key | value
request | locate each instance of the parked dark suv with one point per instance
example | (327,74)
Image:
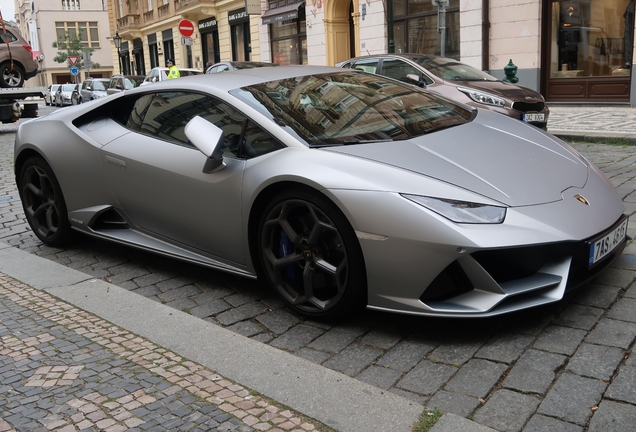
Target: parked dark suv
(16,59)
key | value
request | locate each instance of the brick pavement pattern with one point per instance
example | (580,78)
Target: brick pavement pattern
(63,369)
(568,366)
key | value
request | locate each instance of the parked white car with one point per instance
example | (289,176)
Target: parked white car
(161,74)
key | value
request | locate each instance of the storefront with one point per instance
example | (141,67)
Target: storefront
(209,30)
(153,50)
(139,66)
(287,31)
(588,50)
(239,22)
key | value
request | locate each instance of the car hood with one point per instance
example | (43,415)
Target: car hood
(499,158)
(506,90)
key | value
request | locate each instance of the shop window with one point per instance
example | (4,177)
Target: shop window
(591,39)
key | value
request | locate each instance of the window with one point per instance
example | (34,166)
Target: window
(415,28)
(86,31)
(289,40)
(70,4)
(399,69)
(367,65)
(10,37)
(164,115)
(149,5)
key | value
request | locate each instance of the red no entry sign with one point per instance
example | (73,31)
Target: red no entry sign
(186,28)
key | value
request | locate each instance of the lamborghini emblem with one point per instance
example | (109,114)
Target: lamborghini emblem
(581,199)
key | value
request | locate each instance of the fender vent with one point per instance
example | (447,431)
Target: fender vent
(109,219)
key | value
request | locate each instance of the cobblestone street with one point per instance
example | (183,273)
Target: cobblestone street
(565,367)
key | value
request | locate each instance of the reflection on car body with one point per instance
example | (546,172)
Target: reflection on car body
(337,187)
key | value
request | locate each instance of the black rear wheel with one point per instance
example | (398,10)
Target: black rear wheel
(43,202)
(310,255)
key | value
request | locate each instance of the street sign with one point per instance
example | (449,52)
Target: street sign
(186,41)
(74,70)
(73,59)
(186,28)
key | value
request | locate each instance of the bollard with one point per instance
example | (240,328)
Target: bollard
(511,73)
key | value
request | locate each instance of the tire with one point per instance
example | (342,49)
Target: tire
(11,78)
(310,255)
(43,202)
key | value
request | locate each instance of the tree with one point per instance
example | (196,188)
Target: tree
(72,43)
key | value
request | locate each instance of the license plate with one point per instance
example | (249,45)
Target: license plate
(607,242)
(534,117)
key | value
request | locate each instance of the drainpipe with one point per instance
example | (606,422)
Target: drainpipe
(485,35)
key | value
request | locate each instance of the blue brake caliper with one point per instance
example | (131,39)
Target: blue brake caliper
(285,248)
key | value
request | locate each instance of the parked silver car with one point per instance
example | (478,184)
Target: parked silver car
(91,89)
(63,94)
(49,95)
(338,188)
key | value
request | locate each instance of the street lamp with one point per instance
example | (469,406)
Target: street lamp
(117,40)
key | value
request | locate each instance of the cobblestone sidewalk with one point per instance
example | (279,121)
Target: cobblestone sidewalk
(63,369)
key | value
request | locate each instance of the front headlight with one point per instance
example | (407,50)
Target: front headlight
(461,211)
(481,97)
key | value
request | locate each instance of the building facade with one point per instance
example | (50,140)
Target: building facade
(45,22)
(571,51)
(150,33)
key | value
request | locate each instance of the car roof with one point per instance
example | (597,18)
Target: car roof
(410,56)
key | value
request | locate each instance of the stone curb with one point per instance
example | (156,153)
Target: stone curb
(594,137)
(332,398)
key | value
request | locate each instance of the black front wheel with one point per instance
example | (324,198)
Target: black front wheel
(310,255)
(43,202)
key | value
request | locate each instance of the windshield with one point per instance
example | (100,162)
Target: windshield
(68,87)
(351,107)
(452,70)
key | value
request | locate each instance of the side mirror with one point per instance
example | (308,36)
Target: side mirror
(209,139)
(416,79)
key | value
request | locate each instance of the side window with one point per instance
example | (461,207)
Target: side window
(222,68)
(168,113)
(138,112)
(85,84)
(257,142)
(398,69)
(9,36)
(367,65)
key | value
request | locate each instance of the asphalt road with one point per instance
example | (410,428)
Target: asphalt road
(567,366)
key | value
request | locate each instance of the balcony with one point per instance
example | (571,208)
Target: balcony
(129,22)
(149,17)
(163,10)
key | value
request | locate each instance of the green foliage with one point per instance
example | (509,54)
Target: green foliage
(428,418)
(72,46)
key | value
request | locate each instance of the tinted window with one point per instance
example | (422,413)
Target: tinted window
(366,65)
(257,142)
(9,37)
(350,107)
(398,69)
(99,85)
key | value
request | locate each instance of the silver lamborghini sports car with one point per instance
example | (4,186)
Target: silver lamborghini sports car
(337,187)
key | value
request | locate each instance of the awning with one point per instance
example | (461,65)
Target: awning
(284,13)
